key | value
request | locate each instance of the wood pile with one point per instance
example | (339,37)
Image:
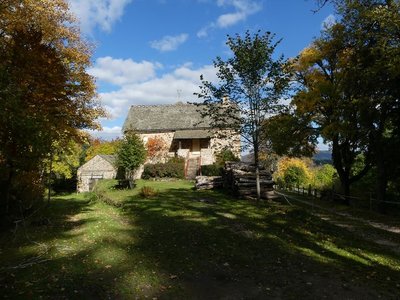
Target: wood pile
(241,179)
(208,182)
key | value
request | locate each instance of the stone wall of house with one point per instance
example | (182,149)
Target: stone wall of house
(167,137)
(183,153)
(95,169)
(226,139)
(207,156)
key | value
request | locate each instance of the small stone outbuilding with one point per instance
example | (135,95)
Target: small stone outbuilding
(99,167)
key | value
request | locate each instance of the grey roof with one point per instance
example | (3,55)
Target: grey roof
(192,134)
(109,158)
(179,116)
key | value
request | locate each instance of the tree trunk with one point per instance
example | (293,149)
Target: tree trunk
(49,180)
(381,181)
(256,161)
(346,190)
(8,187)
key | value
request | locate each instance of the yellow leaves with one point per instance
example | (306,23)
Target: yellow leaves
(309,55)
(307,58)
(287,162)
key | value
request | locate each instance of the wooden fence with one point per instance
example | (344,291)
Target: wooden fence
(366,202)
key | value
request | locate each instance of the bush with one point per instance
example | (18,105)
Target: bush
(292,172)
(295,176)
(212,170)
(131,153)
(174,168)
(324,176)
(225,155)
(148,192)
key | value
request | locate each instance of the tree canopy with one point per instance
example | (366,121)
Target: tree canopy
(251,85)
(348,92)
(131,153)
(46,94)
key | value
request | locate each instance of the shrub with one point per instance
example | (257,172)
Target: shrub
(212,170)
(174,168)
(148,192)
(292,171)
(295,176)
(324,176)
(131,153)
(225,155)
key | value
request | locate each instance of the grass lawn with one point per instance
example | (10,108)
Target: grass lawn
(186,244)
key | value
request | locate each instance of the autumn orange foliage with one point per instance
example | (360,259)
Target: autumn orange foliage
(156,147)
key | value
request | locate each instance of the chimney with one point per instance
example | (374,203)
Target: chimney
(225,99)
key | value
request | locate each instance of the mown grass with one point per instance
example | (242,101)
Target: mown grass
(186,244)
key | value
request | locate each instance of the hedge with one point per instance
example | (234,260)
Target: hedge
(171,169)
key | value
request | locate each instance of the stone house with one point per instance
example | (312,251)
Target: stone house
(99,167)
(184,131)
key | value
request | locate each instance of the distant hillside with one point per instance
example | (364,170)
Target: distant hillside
(323,156)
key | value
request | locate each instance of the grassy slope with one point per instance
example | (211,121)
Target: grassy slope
(187,244)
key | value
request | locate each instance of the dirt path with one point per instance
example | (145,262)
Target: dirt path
(378,232)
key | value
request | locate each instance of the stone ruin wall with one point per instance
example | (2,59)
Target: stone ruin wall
(95,167)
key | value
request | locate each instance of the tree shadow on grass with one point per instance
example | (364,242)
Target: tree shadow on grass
(238,249)
(185,244)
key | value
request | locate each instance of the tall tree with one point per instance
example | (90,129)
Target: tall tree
(254,81)
(46,94)
(330,104)
(131,153)
(372,29)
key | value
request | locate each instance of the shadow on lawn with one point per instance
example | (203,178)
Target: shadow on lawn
(236,249)
(199,245)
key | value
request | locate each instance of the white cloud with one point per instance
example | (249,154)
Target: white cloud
(243,9)
(169,43)
(108,133)
(98,13)
(328,22)
(162,89)
(123,71)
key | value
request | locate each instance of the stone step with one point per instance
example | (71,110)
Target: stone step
(192,168)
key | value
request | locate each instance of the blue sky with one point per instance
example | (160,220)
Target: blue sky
(154,51)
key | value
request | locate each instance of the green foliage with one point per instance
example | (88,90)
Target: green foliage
(292,172)
(65,159)
(131,153)
(212,170)
(350,91)
(98,146)
(324,176)
(254,81)
(303,138)
(225,155)
(174,168)
(295,176)
(46,94)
